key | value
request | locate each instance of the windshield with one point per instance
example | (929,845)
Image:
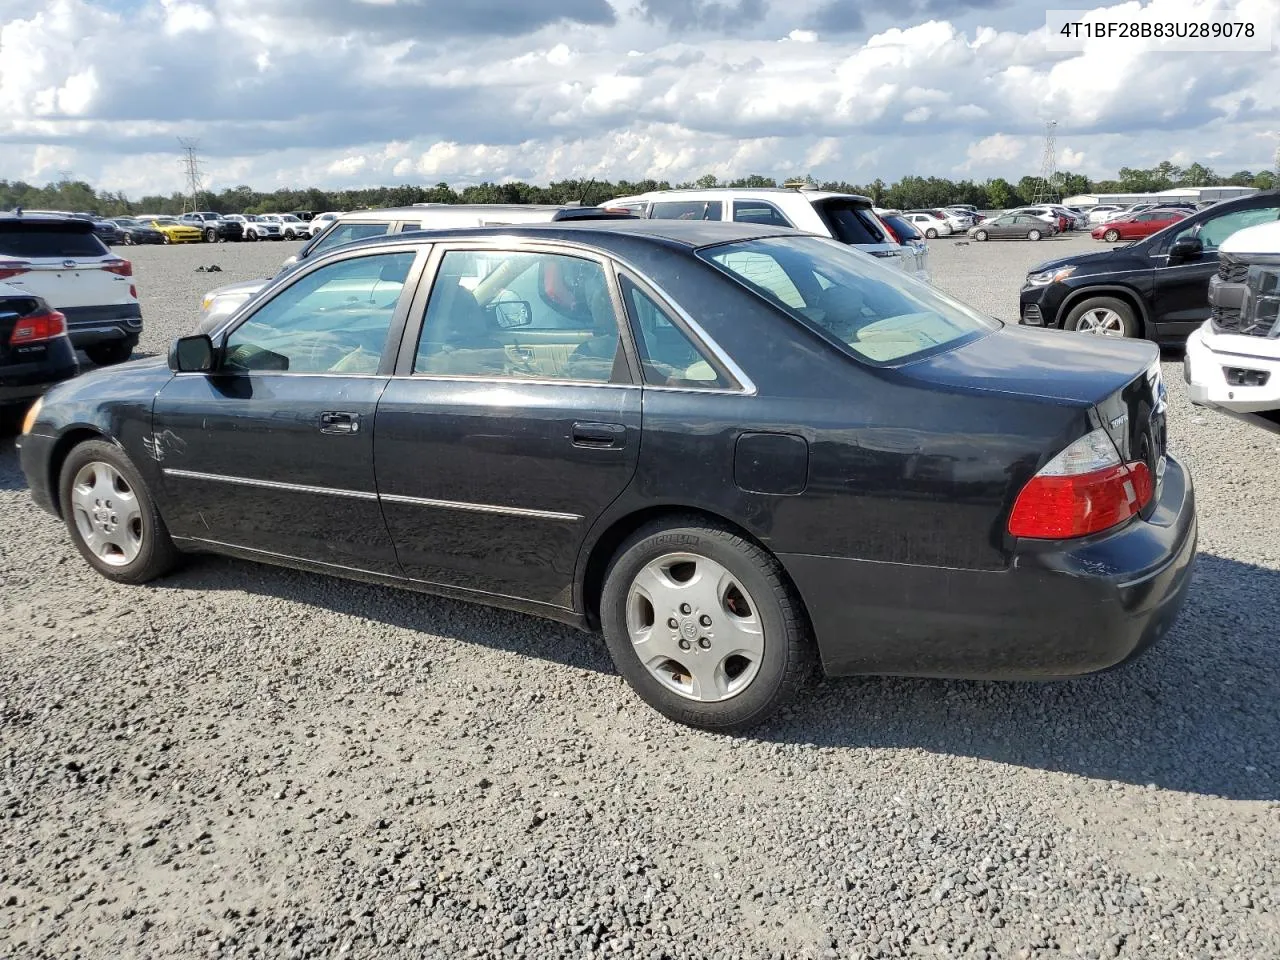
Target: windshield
(875,312)
(290,218)
(168,221)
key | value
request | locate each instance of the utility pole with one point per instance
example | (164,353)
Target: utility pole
(1045,189)
(191,167)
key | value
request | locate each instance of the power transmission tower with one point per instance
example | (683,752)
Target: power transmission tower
(194,179)
(1045,187)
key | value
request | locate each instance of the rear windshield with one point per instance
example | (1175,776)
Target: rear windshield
(875,312)
(903,228)
(31,240)
(850,221)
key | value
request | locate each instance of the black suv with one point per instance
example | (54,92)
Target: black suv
(213,226)
(1155,288)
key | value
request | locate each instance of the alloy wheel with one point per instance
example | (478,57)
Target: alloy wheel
(1101,322)
(694,627)
(107,514)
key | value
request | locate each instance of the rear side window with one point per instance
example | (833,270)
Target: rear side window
(850,222)
(348,233)
(33,241)
(757,211)
(686,210)
(668,357)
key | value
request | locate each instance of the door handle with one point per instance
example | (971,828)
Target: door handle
(339,422)
(599,435)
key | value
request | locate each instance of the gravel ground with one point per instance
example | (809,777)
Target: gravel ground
(246,761)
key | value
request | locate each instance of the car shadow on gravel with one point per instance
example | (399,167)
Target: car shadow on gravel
(1199,712)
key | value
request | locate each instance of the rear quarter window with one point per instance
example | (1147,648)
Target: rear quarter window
(32,241)
(686,210)
(850,222)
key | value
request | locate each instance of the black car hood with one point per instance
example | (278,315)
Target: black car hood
(1100,261)
(1040,363)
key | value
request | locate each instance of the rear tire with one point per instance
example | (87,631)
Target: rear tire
(741,647)
(166,239)
(111,516)
(128,239)
(931,234)
(106,354)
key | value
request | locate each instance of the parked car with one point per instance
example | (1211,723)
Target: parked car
(846,217)
(1232,361)
(291,228)
(134,232)
(35,351)
(260,228)
(1155,288)
(214,226)
(1103,210)
(1137,226)
(929,224)
(104,228)
(61,261)
(871,475)
(906,233)
(956,221)
(175,231)
(1009,226)
(306,216)
(322,220)
(221,303)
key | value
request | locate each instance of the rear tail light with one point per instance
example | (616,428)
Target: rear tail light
(1084,489)
(121,268)
(892,233)
(36,327)
(12,268)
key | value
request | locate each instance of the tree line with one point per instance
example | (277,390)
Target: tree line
(906,193)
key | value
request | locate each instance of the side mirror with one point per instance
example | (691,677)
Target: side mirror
(512,313)
(192,354)
(1185,248)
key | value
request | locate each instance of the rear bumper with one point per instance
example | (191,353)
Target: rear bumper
(87,326)
(1059,610)
(20,382)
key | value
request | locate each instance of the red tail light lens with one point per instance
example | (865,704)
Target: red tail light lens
(892,233)
(1084,489)
(121,268)
(37,327)
(12,268)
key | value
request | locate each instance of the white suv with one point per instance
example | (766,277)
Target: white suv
(843,216)
(258,228)
(291,228)
(61,260)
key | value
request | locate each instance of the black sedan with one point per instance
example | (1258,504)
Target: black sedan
(135,232)
(35,351)
(734,448)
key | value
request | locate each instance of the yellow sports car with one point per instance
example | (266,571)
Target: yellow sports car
(175,232)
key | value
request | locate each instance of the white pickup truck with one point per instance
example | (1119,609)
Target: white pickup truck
(1232,362)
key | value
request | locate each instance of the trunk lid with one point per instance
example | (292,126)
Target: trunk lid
(1120,379)
(64,263)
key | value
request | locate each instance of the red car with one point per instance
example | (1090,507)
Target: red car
(1137,226)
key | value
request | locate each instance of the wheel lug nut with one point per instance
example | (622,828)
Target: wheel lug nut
(704,620)
(704,643)
(686,609)
(685,645)
(673,623)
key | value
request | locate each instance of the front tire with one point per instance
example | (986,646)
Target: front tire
(111,516)
(931,234)
(980,235)
(1103,317)
(211,235)
(739,648)
(1111,236)
(128,240)
(167,239)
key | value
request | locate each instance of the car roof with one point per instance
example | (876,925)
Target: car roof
(688,234)
(36,220)
(696,192)
(420,211)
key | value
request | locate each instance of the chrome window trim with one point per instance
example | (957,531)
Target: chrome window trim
(541,381)
(270,484)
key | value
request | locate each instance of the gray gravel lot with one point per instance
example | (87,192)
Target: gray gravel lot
(247,761)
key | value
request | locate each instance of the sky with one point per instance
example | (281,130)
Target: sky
(351,93)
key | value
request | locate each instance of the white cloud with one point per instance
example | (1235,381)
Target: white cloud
(318,91)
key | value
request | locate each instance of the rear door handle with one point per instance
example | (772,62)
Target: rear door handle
(339,422)
(599,435)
